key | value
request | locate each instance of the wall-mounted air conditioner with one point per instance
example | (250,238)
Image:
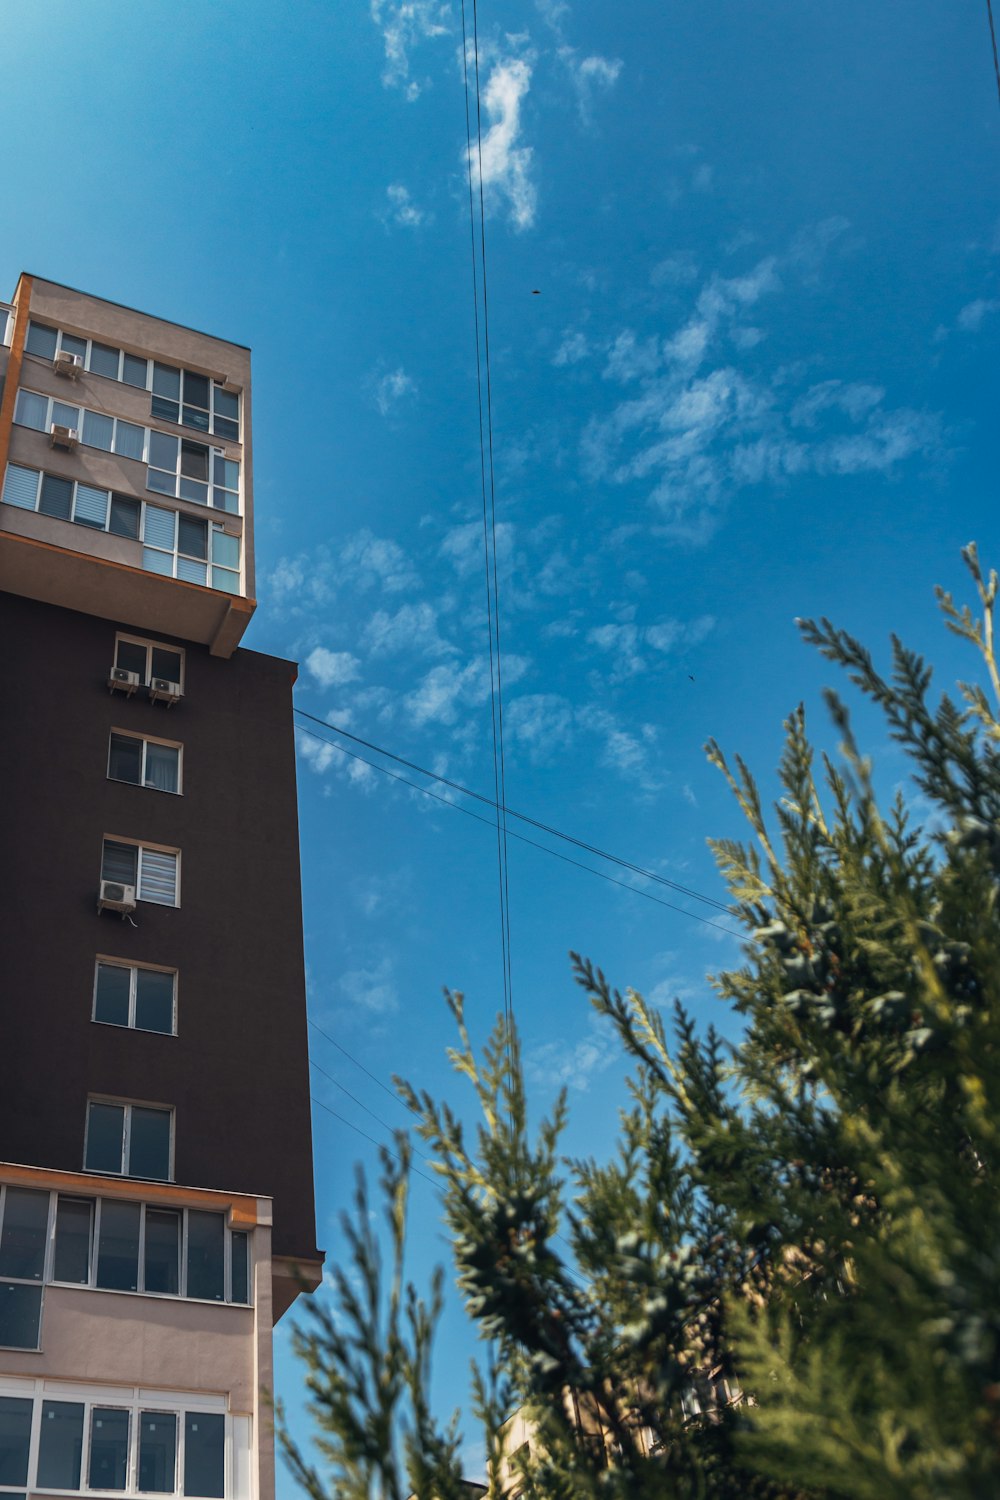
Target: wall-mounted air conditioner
(63,437)
(116,896)
(65,363)
(121,680)
(162,690)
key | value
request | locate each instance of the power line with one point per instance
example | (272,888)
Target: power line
(993,39)
(522,838)
(380,1144)
(350,1056)
(354,1098)
(625,864)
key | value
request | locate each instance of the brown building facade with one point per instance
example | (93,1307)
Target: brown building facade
(156,1195)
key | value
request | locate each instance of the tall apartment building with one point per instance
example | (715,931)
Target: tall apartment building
(156,1193)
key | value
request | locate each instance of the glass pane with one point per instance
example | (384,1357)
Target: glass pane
(193,416)
(105,1132)
(66,416)
(226,403)
(15,1435)
(91,508)
(206,1276)
(98,430)
(120,860)
(57,497)
(149,1144)
(161,766)
(111,999)
(108,1448)
(161,483)
(130,654)
(204,1454)
(74,1217)
(118,1253)
(104,360)
(32,411)
(21,487)
(157,1452)
(158,562)
(163,451)
(240,1279)
(163,1251)
(60,1446)
(129,439)
(159,527)
(192,537)
(225,549)
(195,389)
(158,877)
(124,517)
(74,345)
(191,572)
(191,489)
(223,579)
(165,411)
(125,759)
(167,381)
(154,1001)
(227,473)
(224,428)
(41,340)
(20,1315)
(166,664)
(134,371)
(22,1244)
(225,500)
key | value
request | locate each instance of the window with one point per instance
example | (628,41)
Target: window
(23,1229)
(129,1140)
(70,500)
(186,547)
(6,328)
(149,659)
(127,995)
(153,872)
(149,763)
(126,1441)
(176,466)
(74,1240)
(181,396)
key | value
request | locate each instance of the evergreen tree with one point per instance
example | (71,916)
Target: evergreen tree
(812,1214)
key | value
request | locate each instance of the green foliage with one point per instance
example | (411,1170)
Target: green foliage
(813,1214)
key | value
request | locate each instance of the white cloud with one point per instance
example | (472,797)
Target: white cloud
(412,627)
(372,988)
(368,560)
(970,319)
(589,76)
(298,583)
(572,350)
(332,668)
(701,181)
(625,644)
(855,399)
(463,547)
(404,24)
(391,388)
(318,755)
(539,723)
(812,245)
(506,164)
(627,752)
(449,687)
(572,1064)
(679,269)
(402,208)
(628,359)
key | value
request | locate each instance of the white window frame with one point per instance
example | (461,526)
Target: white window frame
(137,1402)
(144,740)
(71,520)
(150,645)
(129,1105)
(117,838)
(6,322)
(175,492)
(133,971)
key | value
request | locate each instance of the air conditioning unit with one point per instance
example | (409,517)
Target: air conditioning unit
(65,363)
(115,896)
(162,690)
(122,680)
(63,437)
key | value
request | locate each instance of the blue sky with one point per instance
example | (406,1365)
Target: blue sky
(757,382)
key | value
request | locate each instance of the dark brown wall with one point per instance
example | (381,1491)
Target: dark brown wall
(237,1072)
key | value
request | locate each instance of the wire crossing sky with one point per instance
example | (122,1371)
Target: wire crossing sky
(744,297)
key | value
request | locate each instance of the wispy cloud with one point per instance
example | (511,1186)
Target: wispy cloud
(463,547)
(973,314)
(506,162)
(404,24)
(372,989)
(392,388)
(332,668)
(370,561)
(450,687)
(411,628)
(572,349)
(539,724)
(590,76)
(633,649)
(572,1063)
(402,209)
